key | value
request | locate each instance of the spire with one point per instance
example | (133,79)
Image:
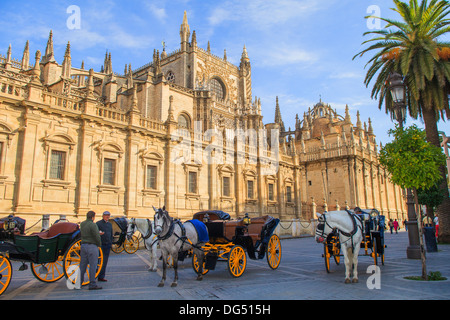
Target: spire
(358,120)
(225,54)
(347,114)
(49,53)
(208,49)
(107,65)
(8,54)
(278,118)
(194,39)
(67,63)
(130,78)
(244,54)
(184,33)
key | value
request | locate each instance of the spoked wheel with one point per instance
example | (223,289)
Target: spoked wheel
(72,260)
(131,245)
(48,272)
(6,272)
(116,248)
(326,256)
(273,252)
(237,261)
(196,265)
(375,252)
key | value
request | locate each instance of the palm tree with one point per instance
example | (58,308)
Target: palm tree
(411,47)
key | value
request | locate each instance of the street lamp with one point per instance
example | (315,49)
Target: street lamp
(397,88)
(398,93)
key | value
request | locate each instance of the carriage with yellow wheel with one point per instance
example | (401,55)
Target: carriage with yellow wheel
(233,240)
(122,240)
(52,254)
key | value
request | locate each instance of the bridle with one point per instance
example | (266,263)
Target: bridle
(163,215)
(133,229)
(320,229)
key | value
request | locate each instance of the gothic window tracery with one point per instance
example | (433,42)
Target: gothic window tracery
(218,88)
(170,77)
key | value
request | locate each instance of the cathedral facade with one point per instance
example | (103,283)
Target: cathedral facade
(183,131)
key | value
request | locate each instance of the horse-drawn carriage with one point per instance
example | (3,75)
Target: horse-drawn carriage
(211,236)
(230,239)
(52,254)
(121,239)
(372,229)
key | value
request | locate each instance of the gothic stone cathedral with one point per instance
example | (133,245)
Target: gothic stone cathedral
(73,140)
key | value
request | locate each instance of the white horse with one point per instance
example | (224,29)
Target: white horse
(174,237)
(349,227)
(146,228)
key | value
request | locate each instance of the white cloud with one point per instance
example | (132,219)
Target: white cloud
(159,13)
(261,13)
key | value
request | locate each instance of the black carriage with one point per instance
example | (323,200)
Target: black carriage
(373,238)
(52,254)
(230,239)
(121,240)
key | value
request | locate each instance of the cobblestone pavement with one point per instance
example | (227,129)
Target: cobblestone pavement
(300,276)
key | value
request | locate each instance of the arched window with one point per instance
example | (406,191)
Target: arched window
(183,121)
(217,87)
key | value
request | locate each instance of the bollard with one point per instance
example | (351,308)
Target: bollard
(45,221)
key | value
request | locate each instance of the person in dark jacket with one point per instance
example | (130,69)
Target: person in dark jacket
(106,233)
(90,241)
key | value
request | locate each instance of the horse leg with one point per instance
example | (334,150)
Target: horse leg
(355,264)
(175,269)
(347,261)
(163,279)
(153,258)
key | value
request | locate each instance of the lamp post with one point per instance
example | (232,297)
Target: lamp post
(397,88)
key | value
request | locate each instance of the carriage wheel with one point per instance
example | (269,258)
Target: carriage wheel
(337,252)
(195,265)
(6,272)
(327,256)
(132,245)
(116,248)
(237,261)
(375,252)
(48,272)
(274,252)
(72,258)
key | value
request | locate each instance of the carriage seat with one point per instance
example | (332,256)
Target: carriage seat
(256,226)
(56,229)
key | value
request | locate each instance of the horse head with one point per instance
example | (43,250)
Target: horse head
(131,227)
(323,229)
(162,220)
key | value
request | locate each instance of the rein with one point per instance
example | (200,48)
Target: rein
(349,235)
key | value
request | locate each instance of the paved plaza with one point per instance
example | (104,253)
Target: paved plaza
(301,276)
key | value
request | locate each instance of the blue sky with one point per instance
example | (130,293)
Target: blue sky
(299,50)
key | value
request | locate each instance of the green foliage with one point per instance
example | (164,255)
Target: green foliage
(411,160)
(411,46)
(432,197)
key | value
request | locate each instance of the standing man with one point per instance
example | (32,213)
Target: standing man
(90,241)
(106,234)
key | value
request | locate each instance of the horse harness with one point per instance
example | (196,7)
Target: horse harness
(321,227)
(183,238)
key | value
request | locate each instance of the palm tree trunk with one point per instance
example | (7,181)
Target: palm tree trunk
(443,210)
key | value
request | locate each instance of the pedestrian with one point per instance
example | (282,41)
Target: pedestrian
(405,224)
(427,221)
(391,225)
(395,226)
(90,241)
(106,235)
(436,226)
